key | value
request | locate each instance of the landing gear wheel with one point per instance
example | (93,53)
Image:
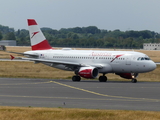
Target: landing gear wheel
(134,80)
(76,78)
(102,78)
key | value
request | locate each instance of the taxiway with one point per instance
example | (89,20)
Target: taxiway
(88,94)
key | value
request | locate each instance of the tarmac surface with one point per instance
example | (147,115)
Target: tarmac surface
(89,94)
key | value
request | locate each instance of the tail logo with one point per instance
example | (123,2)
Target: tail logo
(117,56)
(34,33)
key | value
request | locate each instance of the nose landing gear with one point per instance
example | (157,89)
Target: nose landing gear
(134,75)
(134,80)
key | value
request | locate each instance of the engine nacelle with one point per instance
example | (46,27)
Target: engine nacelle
(127,75)
(88,72)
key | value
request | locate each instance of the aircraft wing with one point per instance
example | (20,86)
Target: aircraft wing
(62,62)
(55,62)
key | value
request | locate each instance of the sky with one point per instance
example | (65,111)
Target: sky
(105,14)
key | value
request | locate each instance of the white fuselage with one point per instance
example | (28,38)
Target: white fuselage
(105,61)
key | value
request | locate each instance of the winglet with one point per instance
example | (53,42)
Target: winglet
(12,57)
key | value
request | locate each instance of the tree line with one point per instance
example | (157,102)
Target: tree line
(86,37)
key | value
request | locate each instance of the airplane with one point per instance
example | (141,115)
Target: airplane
(86,63)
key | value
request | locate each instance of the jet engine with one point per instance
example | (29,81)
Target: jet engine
(127,75)
(88,72)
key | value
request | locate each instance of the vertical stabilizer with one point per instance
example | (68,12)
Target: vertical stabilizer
(38,40)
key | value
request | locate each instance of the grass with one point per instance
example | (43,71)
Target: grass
(20,113)
(30,70)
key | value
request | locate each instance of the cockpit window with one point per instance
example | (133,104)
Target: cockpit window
(147,58)
(143,58)
(139,58)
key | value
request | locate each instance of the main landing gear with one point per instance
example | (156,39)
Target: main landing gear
(76,78)
(103,78)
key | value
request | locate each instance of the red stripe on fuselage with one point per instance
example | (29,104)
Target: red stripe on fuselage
(117,56)
(44,45)
(31,22)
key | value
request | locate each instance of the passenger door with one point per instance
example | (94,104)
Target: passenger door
(128,59)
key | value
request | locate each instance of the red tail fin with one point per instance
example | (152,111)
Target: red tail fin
(38,40)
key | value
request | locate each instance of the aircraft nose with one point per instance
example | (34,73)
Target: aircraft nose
(152,66)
